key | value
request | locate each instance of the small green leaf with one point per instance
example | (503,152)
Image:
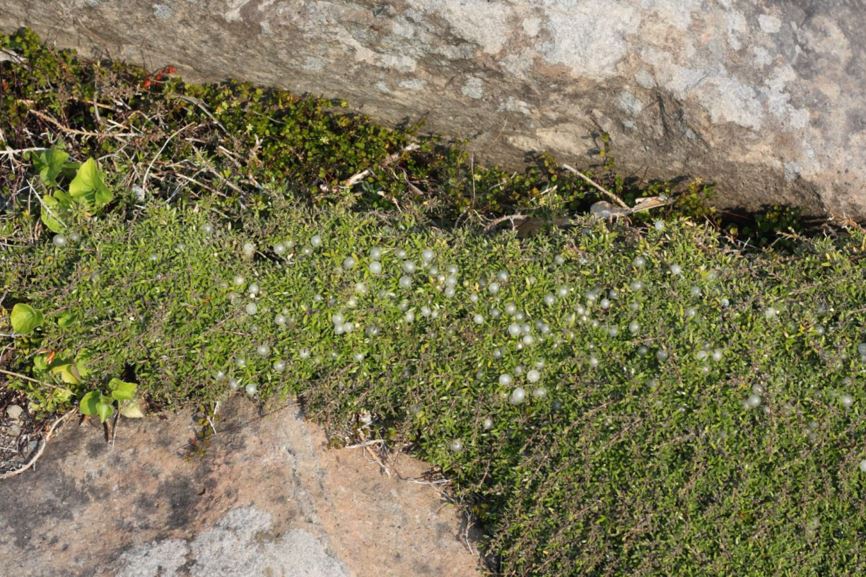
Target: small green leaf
(87,404)
(121,390)
(52,214)
(67,372)
(82,365)
(88,186)
(40,364)
(104,408)
(66,201)
(51,164)
(25,319)
(66,319)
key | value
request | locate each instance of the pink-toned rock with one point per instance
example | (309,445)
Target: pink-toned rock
(265,498)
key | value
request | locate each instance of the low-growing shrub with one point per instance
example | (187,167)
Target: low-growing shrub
(609,400)
(160,136)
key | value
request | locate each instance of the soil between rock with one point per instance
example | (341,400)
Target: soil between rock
(265,499)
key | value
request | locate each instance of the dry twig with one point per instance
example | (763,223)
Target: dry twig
(75,131)
(365,444)
(156,156)
(509,217)
(26,378)
(597,186)
(202,107)
(13,152)
(390,159)
(40,450)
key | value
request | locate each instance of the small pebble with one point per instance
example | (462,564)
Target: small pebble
(14,412)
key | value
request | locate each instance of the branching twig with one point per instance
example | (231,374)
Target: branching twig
(10,56)
(162,148)
(509,217)
(391,199)
(26,378)
(210,417)
(365,444)
(202,107)
(598,187)
(379,461)
(46,208)
(391,158)
(40,450)
(11,152)
(196,182)
(75,131)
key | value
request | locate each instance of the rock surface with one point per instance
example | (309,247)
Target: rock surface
(762,97)
(265,499)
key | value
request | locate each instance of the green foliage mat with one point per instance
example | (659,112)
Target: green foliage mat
(611,400)
(608,399)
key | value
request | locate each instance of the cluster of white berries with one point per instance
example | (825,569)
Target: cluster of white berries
(521,330)
(755,399)
(341,325)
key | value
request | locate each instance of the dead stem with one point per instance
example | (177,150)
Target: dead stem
(40,450)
